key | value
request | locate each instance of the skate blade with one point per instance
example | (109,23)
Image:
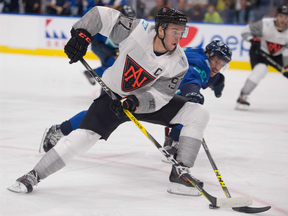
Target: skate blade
(183,190)
(242,107)
(18,188)
(42,141)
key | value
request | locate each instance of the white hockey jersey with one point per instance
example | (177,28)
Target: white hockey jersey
(137,70)
(273,42)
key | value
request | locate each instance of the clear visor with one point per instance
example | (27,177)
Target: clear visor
(224,68)
(177,32)
(220,64)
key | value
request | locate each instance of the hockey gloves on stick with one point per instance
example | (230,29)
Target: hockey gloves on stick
(218,86)
(129,102)
(76,47)
(255,45)
(195,97)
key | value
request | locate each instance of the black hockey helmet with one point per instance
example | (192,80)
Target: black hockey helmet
(283,10)
(169,15)
(220,49)
(128,11)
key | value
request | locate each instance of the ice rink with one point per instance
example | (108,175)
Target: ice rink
(125,175)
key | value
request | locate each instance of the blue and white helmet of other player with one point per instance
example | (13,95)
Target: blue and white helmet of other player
(220,49)
(128,11)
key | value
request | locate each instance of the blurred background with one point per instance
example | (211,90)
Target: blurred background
(49,23)
(230,11)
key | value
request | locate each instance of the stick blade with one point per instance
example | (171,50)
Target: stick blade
(234,202)
(251,210)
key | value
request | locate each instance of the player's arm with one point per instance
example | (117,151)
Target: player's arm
(162,91)
(217,84)
(253,33)
(253,30)
(106,21)
(192,92)
(194,79)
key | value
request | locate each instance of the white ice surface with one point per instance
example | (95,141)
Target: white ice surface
(125,176)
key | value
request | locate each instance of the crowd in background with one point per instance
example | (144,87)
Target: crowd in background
(210,11)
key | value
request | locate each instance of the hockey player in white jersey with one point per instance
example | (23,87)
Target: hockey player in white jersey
(269,35)
(145,77)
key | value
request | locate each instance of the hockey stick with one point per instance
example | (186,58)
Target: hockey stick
(244,209)
(274,63)
(221,202)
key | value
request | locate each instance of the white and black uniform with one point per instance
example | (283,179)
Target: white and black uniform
(273,43)
(137,71)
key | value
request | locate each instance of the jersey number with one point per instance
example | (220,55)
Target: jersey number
(126,27)
(173,84)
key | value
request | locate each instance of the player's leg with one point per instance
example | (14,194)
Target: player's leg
(99,122)
(56,132)
(171,141)
(194,119)
(77,142)
(258,73)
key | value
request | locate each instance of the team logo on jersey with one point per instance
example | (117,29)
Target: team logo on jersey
(183,62)
(273,47)
(145,24)
(134,76)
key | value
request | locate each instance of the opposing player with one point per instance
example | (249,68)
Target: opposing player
(106,49)
(269,35)
(145,77)
(199,76)
(204,71)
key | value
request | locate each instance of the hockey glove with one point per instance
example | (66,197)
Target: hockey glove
(218,86)
(76,47)
(195,97)
(255,45)
(129,102)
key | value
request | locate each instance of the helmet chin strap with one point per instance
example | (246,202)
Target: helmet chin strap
(162,40)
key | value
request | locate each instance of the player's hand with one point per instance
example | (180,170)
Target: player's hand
(256,44)
(218,86)
(76,47)
(195,97)
(129,102)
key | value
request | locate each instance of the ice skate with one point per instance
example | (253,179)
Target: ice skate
(50,138)
(89,77)
(180,186)
(169,145)
(242,102)
(25,183)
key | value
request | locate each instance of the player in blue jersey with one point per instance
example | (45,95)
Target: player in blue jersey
(200,76)
(204,71)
